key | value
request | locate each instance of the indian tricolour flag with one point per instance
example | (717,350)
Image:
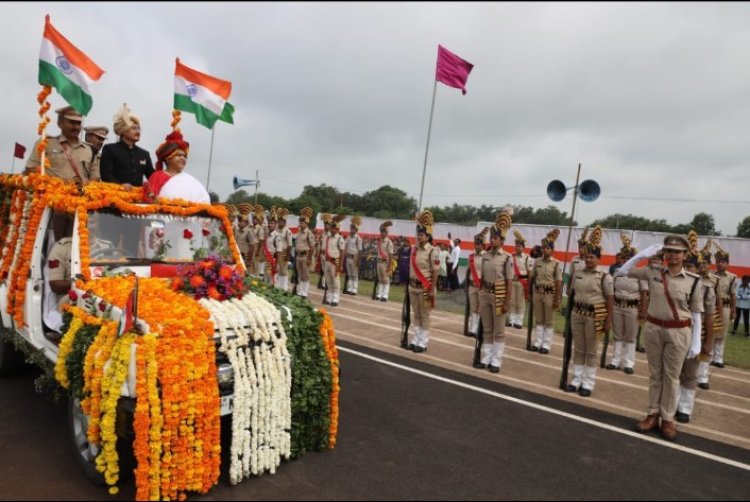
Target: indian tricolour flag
(203,95)
(64,67)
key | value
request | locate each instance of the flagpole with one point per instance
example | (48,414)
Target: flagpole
(13,164)
(572,216)
(210,157)
(257,182)
(427,147)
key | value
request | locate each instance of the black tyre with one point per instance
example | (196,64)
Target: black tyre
(84,452)
(10,358)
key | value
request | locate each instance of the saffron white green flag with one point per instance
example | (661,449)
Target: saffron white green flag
(67,69)
(203,95)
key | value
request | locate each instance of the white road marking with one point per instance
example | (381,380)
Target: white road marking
(547,409)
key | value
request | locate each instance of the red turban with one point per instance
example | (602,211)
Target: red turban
(173,142)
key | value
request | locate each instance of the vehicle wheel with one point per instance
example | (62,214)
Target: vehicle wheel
(10,358)
(85,453)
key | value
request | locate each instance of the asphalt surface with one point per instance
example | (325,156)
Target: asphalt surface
(406,435)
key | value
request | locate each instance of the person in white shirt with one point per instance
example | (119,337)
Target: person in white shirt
(743,305)
(453,264)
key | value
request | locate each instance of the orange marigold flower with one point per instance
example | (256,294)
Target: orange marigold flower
(225,272)
(177,283)
(196,281)
(213,293)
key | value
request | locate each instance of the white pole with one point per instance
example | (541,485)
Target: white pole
(13,163)
(572,215)
(210,157)
(257,182)
(427,148)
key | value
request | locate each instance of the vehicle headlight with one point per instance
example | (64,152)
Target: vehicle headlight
(225,376)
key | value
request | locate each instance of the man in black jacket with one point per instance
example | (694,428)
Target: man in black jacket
(124,162)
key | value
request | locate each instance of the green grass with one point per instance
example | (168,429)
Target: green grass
(736,351)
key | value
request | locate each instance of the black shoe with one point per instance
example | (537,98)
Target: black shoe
(733,333)
(470,334)
(543,351)
(681,417)
(334,304)
(518,326)
(571,388)
(479,366)
(410,346)
(534,348)
(384,299)
(326,302)
(494,369)
(719,365)
(703,386)
(610,366)
(640,349)
(418,349)
(584,392)
(712,363)
(629,371)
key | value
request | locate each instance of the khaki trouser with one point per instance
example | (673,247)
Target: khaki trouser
(332,278)
(251,268)
(584,339)
(352,267)
(517,299)
(666,349)
(420,308)
(282,263)
(494,323)
(725,323)
(689,374)
(544,314)
(303,267)
(383,276)
(473,299)
(625,324)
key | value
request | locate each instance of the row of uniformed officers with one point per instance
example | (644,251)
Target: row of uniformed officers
(687,309)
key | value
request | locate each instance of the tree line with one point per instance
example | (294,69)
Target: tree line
(388,202)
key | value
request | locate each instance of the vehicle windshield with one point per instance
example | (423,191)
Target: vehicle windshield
(119,238)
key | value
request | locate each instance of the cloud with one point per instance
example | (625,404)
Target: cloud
(651,99)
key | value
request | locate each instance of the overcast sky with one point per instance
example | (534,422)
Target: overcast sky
(652,99)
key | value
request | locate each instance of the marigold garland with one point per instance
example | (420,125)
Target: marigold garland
(332,353)
(66,344)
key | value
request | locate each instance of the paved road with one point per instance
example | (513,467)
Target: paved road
(411,430)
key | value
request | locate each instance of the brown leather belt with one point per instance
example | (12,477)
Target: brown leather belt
(685,323)
(545,289)
(415,283)
(301,253)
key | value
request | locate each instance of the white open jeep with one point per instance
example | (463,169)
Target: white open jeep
(114,238)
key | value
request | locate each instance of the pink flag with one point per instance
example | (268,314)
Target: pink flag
(452,70)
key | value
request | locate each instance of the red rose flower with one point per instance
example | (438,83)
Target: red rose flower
(54,263)
(72,295)
(206,232)
(102,306)
(187,234)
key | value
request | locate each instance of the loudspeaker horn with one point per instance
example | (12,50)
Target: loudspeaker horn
(242,182)
(556,190)
(589,191)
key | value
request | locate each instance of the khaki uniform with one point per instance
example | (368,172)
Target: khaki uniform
(353,247)
(253,247)
(385,256)
(726,291)
(242,236)
(474,268)
(385,251)
(303,250)
(497,272)
(82,155)
(592,289)
(282,246)
(427,261)
(668,339)
(703,365)
(518,296)
(689,377)
(333,250)
(546,275)
(576,263)
(625,322)
(257,237)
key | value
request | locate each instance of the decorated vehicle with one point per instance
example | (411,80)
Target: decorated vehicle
(161,339)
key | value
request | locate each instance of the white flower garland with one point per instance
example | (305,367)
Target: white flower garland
(262,408)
